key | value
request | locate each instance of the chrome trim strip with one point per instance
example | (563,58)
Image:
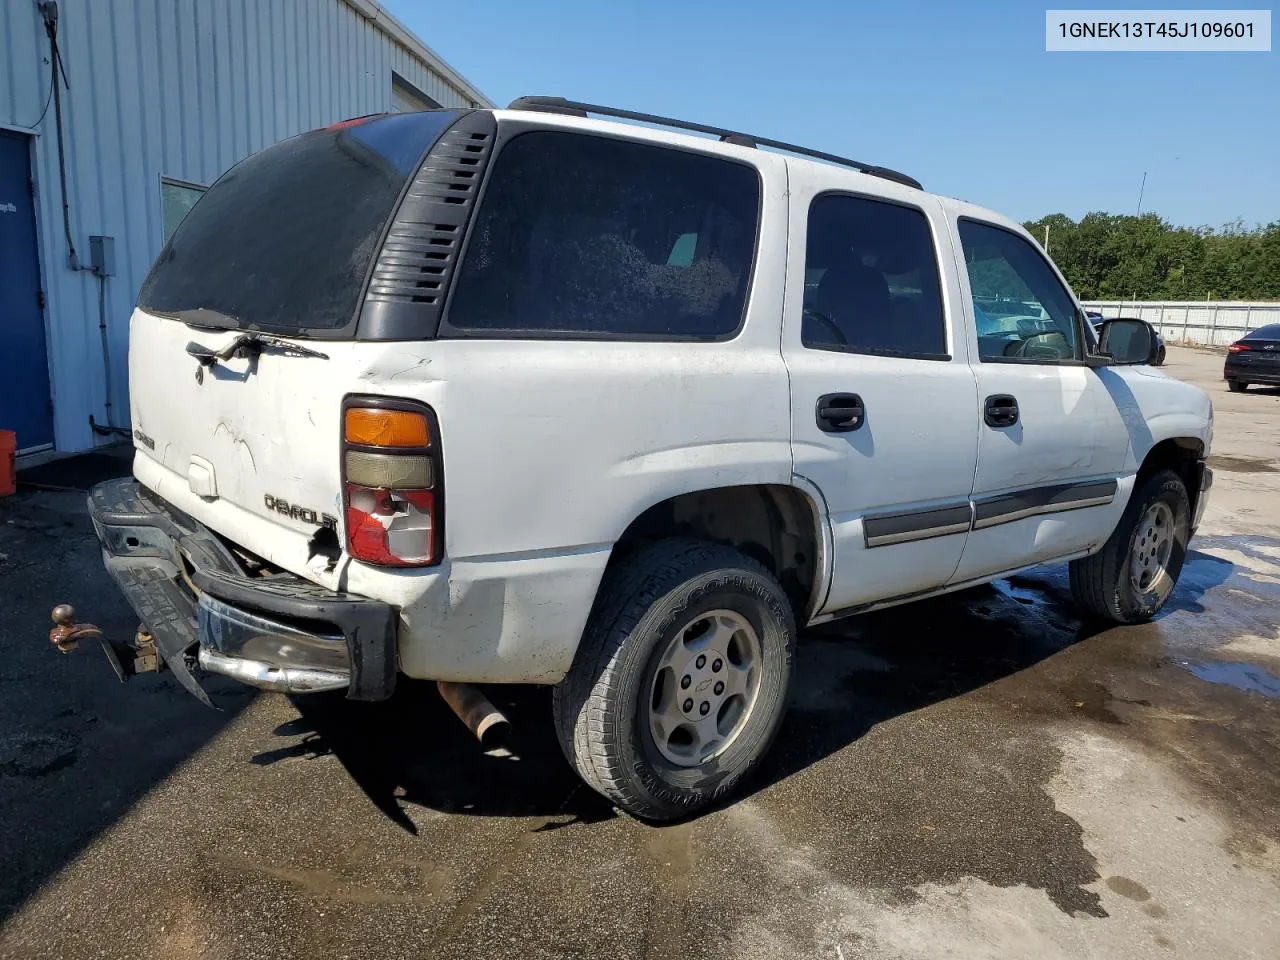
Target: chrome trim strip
(879,530)
(1035,501)
(921,534)
(886,529)
(1040,510)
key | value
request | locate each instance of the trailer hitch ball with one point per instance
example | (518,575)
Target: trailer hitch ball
(67,634)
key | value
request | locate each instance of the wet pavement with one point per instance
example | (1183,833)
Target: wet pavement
(980,775)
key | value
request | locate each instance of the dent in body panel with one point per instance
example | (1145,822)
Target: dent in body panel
(279,545)
(501,621)
(745,460)
(396,361)
(993,550)
(1155,407)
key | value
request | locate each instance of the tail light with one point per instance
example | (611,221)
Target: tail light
(392,482)
(1237,348)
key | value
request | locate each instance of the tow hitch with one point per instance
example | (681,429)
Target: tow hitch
(126,659)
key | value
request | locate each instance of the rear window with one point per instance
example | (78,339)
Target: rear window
(587,236)
(283,241)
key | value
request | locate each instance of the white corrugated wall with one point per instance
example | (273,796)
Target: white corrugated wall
(170,88)
(1212,323)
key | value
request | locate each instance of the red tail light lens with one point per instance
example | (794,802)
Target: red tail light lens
(392,484)
(1237,348)
(395,528)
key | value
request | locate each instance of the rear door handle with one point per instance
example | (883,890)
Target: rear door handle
(839,412)
(1000,410)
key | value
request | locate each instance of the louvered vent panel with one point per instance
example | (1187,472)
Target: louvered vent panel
(422,245)
(411,275)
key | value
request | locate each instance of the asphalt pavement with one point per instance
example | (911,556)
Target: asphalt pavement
(981,775)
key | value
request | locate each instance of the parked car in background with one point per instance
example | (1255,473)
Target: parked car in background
(1096,319)
(1254,358)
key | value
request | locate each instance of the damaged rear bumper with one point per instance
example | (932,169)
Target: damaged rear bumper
(276,632)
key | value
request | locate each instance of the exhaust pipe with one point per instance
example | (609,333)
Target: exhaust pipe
(473,708)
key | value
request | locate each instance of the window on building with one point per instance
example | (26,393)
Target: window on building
(871,280)
(406,98)
(588,236)
(176,200)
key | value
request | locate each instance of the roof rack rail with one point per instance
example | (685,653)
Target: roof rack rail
(577,109)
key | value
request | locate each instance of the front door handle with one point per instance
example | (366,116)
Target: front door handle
(1000,410)
(839,412)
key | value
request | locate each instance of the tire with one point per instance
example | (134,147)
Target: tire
(1237,386)
(1105,584)
(1160,358)
(649,610)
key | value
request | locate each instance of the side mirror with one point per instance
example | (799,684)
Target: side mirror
(1128,341)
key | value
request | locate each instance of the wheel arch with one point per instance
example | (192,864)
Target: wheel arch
(1179,454)
(782,526)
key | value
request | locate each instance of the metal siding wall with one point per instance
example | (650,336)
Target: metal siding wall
(182,90)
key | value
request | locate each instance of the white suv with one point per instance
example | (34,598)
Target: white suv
(524,396)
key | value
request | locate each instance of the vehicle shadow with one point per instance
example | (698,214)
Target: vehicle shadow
(855,674)
(848,677)
(411,749)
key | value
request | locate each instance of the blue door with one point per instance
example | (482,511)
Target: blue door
(25,406)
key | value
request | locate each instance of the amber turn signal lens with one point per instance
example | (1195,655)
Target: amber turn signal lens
(386,428)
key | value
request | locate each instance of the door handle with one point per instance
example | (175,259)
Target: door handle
(839,412)
(1000,410)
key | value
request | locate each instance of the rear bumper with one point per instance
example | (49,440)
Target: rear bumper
(277,632)
(1251,372)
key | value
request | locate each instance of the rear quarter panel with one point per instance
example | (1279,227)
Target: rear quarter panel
(552,447)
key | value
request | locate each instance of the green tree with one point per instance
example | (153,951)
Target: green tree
(1109,256)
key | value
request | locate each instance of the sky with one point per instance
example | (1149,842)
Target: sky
(962,96)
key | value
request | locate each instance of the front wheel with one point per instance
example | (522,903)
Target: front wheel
(680,683)
(1134,573)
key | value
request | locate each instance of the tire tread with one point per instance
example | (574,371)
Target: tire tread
(1096,581)
(584,702)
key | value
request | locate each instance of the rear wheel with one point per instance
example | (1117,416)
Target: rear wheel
(1237,386)
(1132,576)
(680,683)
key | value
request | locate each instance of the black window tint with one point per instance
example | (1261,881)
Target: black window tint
(580,235)
(871,280)
(1022,311)
(283,240)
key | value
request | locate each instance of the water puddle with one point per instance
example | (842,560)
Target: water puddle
(1241,676)
(1023,591)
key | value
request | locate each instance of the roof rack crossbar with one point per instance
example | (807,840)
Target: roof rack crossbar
(578,109)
